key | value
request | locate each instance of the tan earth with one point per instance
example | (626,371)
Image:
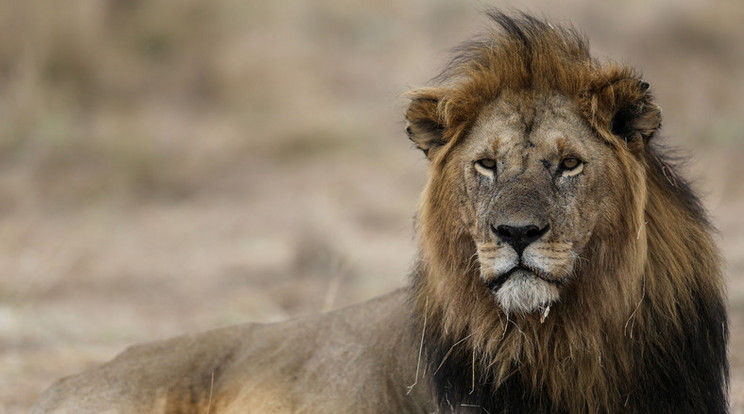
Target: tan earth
(176,166)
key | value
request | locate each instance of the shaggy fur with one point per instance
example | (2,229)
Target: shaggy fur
(642,326)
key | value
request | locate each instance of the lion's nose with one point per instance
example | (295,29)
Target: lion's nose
(519,237)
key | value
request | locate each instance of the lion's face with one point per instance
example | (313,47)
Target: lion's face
(532,171)
(538,171)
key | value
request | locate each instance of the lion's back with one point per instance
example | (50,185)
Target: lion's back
(145,378)
(358,359)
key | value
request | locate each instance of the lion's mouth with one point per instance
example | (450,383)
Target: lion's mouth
(497,283)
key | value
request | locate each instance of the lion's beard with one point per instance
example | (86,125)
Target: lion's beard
(524,293)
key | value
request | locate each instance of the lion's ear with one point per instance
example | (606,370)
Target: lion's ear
(425,124)
(634,115)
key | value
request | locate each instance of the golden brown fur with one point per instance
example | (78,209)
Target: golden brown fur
(615,304)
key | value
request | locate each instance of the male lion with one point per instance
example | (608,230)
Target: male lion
(564,267)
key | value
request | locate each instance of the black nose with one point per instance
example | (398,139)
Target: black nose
(519,237)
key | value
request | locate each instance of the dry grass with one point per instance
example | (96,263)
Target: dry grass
(177,165)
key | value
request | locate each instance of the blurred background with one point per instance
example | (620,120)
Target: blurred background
(169,166)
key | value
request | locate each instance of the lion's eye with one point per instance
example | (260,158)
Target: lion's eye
(486,166)
(570,163)
(487,163)
(571,166)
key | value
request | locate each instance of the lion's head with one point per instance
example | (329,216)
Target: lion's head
(554,236)
(534,186)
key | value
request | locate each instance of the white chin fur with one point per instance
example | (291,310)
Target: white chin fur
(525,293)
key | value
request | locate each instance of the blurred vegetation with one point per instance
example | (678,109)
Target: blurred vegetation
(102,96)
(130,98)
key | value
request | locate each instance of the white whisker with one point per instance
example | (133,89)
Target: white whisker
(421,348)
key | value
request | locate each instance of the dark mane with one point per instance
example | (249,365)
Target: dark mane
(523,50)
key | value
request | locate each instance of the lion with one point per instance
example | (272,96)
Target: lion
(564,266)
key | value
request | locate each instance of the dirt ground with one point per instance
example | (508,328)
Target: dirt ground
(170,166)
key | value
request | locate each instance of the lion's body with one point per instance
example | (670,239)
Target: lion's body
(564,267)
(337,362)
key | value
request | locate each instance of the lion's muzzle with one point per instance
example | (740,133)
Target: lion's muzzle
(518,268)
